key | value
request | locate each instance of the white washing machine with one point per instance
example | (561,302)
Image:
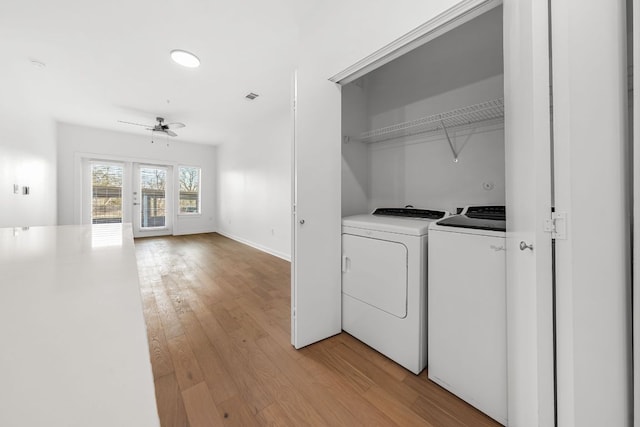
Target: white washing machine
(467,308)
(384,278)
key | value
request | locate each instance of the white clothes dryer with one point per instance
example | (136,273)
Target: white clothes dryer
(384,282)
(467,308)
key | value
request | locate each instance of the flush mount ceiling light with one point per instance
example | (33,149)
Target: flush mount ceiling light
(184,58)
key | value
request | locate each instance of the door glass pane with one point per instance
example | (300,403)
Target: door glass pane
(153,197)
(106,193)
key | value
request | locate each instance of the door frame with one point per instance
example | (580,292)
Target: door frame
(532,402)
(136,201)
(593,275)
(84,186)
(635,280)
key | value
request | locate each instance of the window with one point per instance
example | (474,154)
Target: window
(106,193)
(153,196)
(189,189)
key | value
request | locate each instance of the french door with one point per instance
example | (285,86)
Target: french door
(129,192)
(152,200)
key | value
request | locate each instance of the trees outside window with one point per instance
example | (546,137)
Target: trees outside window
(189,200)
(106,193)
(153,196)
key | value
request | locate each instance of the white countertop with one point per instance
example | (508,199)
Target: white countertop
(73,345)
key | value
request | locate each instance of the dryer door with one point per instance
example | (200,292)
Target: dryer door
(374,271)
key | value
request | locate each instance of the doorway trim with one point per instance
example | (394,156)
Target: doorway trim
(138,203)
(635,220)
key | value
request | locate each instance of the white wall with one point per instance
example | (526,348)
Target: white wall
(254,185)
(460,68)
(424,174)
(27,158)
(27,144)
(421,171)
(355,155)
(76,142)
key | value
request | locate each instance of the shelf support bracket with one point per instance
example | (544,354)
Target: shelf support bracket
(453,150)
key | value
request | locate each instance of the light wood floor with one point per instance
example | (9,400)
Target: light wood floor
(217,315)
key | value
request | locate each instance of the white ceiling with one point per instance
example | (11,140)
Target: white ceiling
(109,60)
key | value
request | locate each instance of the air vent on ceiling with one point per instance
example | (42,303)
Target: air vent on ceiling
(251,96)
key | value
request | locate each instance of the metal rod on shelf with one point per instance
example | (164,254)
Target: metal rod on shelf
(453,150)
(462,117)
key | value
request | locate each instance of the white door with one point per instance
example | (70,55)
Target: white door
(152,200)
(315,289)
(530,348)
(374,271)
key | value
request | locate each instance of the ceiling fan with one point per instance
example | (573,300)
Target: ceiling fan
(159,126)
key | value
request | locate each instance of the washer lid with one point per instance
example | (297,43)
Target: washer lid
(390,224)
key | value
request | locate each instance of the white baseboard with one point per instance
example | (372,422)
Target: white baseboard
(201,230)
(262,248)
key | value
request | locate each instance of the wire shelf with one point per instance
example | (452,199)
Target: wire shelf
(489,111)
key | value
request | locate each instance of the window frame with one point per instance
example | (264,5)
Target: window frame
(199,200)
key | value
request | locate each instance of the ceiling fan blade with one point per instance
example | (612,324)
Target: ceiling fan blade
(176,125)
(131,123)
(170,132)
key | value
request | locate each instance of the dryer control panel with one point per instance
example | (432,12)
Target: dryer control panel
(486,212)
(491,218)
(410,213)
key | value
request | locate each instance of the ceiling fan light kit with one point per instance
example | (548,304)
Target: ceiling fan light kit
(184,58)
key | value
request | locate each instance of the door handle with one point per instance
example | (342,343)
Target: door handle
(523,246)
(345,263)
(136,204)
(301,222)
